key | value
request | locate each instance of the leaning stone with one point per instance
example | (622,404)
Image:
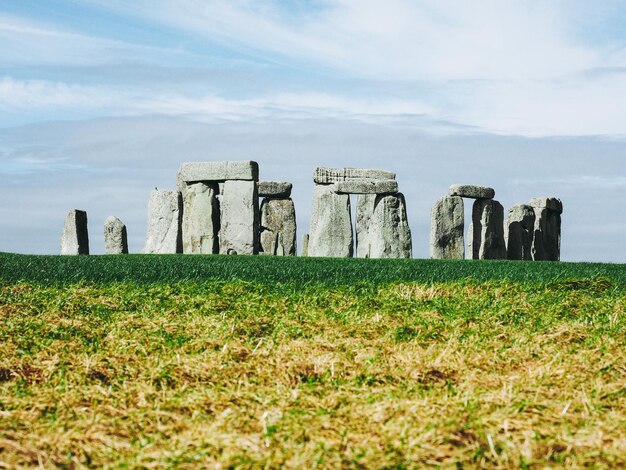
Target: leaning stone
(305,245)
(278,227)
(239,233)
(201,219)
(75,237)
(194,172)
(382,228)
(488,227)
(164,222)
(471,191)
(520,227)
(447,222)
(366,187)
(331,224)
(275,189)
(551,203)
(334,175)
(115,237)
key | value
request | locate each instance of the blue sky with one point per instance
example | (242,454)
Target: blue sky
(100,101)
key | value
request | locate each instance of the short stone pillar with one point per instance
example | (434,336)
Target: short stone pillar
(75,237)
(488,227)
(201,219)
(164,222)
(547,236)
(447,223)
(330,231)
(115,237)
(278,219)
(520,231)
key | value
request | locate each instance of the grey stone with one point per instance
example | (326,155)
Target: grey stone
(334,175)
(278,227)
(520,227)
(193,172)
(382,228)
(277,189)
(201,219)
(551,203)
(115,237)
(164,222)
(471,191)
(305,245)
(239,232)
(75,236)
(488,230)
(447,222)
(547,234)
(366,187)
(331,224)
(469,242)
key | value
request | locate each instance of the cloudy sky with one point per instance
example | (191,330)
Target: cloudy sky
(101,100)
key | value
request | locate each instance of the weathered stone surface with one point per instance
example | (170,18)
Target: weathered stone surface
(115,237)
(551,203)
(520,227)
(382,228)
(193,172)
(164,222)
(471,191)
(469,242)
(547,234)
(331,225)
(488,230)
(366,187)
(305,245)
(447,222)
(239,233)
(333,175)
(75,237)
(201,219)
(277,189)
(278,227)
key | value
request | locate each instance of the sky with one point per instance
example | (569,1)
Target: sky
(102,100)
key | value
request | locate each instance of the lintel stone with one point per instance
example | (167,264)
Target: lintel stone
(275,189)
(366,187)
(471,191)
(333,175)
(193,172)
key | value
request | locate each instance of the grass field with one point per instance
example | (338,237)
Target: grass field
(260,362)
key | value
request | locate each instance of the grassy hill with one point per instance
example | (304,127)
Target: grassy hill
(248,362)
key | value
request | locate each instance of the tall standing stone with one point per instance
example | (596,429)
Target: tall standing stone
(278,227)
(331,225)
(382,227)
(239,232)
(520,228)
(164,222)
(115,237)
(201,219)
(446,228)
(75,237)
(547,236)
(488,227)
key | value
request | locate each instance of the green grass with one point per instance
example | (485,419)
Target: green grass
(269,363)
(147,269)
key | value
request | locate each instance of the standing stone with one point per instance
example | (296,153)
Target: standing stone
(201,219)
(278,227)
(305,245)
(547,236)
(382,227)
(164,222)
(75,237)
(239,232)
(520,228)
(115,237)
(488,227)
(447,222)
(331,225)
(469,251)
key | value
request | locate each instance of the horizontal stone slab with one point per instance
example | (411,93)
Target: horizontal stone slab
(366,187)
(194,172)
(333,175)
(471,191)
(550,203)
(274,189)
